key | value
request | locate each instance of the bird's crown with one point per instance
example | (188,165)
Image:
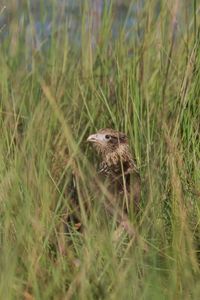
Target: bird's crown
(108,136)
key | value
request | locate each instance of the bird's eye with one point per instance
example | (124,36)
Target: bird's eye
(107,137)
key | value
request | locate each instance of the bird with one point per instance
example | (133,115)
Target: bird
(118,166)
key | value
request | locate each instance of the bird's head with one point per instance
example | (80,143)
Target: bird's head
(108,140)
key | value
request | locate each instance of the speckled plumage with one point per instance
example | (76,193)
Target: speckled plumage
(117,163)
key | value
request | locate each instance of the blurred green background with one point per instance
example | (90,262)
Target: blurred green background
(68,68)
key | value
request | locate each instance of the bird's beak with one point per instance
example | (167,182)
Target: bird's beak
(92,138)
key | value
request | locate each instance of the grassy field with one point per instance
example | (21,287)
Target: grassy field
(145,82)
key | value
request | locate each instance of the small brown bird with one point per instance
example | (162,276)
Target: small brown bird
(118,165)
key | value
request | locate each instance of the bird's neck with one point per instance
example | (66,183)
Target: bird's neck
(117,161)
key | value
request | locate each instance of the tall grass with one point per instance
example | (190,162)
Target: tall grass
(54,92)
